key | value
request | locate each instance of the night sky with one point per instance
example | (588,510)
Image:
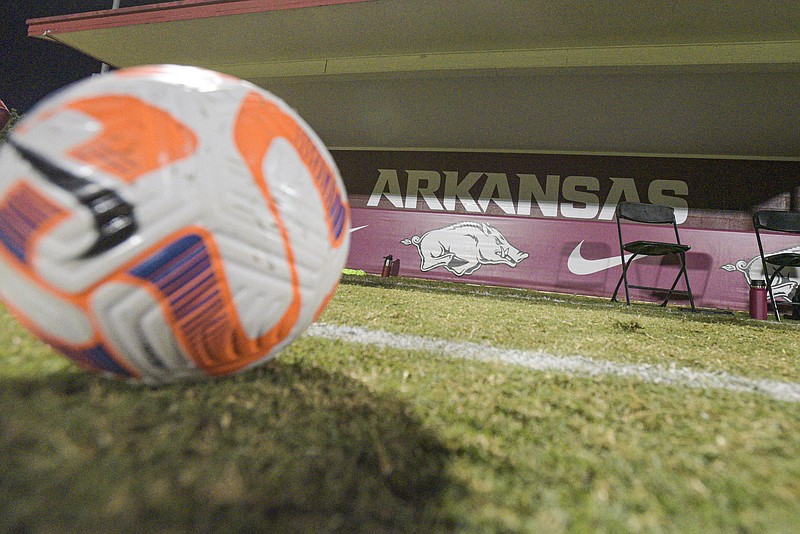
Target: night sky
(32,68)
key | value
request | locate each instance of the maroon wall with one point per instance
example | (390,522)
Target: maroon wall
(545,221)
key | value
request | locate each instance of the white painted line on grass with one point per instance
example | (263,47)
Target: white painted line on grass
(575,365)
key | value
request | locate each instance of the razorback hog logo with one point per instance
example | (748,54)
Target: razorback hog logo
(463,247)
(784,285)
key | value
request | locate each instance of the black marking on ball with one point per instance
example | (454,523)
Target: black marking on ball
(114,219)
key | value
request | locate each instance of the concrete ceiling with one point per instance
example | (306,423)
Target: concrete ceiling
(267,39)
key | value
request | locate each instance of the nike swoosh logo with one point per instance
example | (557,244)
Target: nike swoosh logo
(357,228)
(581,266)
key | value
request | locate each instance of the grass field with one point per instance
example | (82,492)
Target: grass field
(424,407)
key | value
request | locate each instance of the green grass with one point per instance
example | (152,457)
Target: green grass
(340,437)
(570,325)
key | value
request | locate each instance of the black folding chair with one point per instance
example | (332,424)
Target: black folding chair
(653,214)
(787,222)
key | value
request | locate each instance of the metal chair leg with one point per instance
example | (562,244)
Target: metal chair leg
(771,295)
(685,274)
(686,279)
(624,278)
(671,289)
(616,289)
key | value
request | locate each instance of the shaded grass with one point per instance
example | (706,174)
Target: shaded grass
(294,448)
(544,452)
(339,437)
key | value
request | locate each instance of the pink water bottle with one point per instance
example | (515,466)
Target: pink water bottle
(758,299)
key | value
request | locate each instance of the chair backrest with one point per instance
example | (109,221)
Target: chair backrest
(639,212)
(777,221)
(645,213)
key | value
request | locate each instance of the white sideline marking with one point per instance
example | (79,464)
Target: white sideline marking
(575,365)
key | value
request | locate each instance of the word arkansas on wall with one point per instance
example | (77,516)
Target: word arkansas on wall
(546,221)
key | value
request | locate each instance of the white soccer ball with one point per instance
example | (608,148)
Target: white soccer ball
(164,223)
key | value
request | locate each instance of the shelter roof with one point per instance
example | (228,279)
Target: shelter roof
(264,39)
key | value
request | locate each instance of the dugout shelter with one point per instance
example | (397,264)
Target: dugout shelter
(518,125)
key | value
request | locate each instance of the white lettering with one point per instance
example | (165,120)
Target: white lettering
(455,190)
(496,182)
(428,193)
(387,185)
(655,193)
(584,205)
(531,189)
(622,189)
(579,193)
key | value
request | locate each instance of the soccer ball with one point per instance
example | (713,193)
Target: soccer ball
(165,223)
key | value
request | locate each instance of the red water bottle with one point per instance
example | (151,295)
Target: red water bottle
(758,299)
(387,266)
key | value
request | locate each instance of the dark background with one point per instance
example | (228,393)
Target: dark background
(31,68)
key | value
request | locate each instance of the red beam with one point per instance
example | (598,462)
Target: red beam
(167,12)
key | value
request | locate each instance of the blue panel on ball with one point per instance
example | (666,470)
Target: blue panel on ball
(24,215)
(96,357)
(165,260)
(183,273)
